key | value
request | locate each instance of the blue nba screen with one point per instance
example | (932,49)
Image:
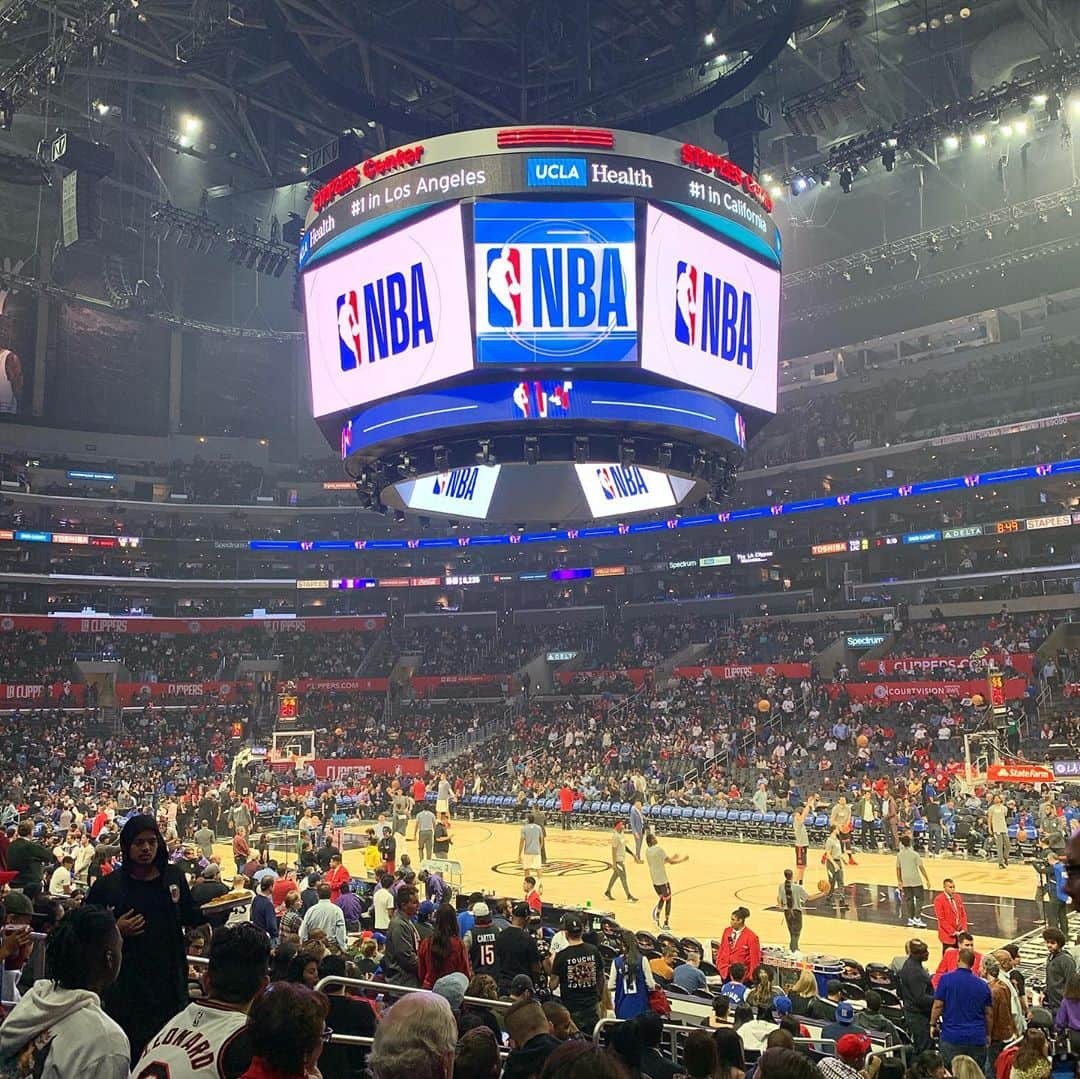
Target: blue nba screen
(555,282)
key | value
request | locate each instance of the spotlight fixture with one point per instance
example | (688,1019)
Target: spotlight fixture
(888,158)
(581,449)
(532,450)
(846,180)
(441,458)
(979,139)
(663,454)
(627,453)
(952,142)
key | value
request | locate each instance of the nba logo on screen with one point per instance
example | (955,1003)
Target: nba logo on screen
(617,482)
(504,287)
(349,335)
(686,297)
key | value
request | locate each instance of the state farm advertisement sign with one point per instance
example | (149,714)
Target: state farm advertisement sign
(733,672)
(1021,662)
(885,692)
(1019,773)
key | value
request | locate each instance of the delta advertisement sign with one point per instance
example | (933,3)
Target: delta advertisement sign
(734,672)
(888,692)
(188,626)
(1021,662)
(389,316)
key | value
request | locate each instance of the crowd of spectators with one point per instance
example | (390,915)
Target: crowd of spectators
(893,410)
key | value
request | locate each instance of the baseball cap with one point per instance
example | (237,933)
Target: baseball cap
(852,1046)
(521,910)
(16,904)
(522,983)
(211,870)
(782,1005)
(572,923)
(426,910)
(845,1012)
(481,910)
(834,985)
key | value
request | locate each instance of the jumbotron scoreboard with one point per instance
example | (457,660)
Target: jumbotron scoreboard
(541,323)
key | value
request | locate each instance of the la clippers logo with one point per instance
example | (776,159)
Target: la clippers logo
(349,334)
(504,287)
(686,303)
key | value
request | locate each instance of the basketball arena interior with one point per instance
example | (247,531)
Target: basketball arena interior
(536,539)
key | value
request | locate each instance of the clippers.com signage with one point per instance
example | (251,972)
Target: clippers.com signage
(389,316)
(1021,662)
(185,627)
(885,692)
(711,315)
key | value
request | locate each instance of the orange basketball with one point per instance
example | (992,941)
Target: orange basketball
(862,741)
(763,705)
(823,886)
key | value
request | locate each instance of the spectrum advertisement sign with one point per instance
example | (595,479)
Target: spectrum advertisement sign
(389,316)
(555,281)
(711,317)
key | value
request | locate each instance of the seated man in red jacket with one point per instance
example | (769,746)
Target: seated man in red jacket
(952,919)
(739,944)
(948,960)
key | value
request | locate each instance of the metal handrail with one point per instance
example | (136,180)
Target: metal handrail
(389,989)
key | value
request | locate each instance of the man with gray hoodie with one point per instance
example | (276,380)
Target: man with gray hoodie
(59,1029)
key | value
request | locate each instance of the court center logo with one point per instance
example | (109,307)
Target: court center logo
(558,867)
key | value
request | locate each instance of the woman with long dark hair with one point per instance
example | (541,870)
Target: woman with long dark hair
(442,953)
(630,979)
(152,903)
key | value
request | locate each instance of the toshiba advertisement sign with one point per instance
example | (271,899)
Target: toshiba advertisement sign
(711,315)
(390,316)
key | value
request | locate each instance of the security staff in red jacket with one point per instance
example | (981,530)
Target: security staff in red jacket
(739,944)
(952,919)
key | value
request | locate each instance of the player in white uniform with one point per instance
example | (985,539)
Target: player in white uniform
(207,1039)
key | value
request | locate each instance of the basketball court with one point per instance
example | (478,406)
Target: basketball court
(720,876)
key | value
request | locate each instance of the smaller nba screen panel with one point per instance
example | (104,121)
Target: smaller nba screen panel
(465,492)
(711,316)
(390,316)
(555,282)
(613,489)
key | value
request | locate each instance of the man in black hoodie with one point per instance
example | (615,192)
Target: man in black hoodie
(531,1037)
(917,994)
(152,903)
